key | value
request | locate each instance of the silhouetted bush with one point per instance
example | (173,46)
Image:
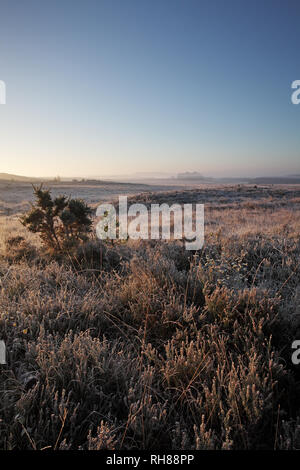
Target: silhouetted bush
(62,222)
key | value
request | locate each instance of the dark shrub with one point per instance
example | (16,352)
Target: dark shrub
(62,223)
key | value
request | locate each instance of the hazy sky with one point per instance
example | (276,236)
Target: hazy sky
(121,86)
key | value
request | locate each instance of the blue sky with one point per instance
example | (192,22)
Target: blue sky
(101,87)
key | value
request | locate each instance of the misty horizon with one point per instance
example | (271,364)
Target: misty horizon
(149,87)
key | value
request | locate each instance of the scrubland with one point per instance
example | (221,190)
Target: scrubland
(145,345)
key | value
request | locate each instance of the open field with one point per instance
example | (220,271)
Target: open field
(15,197)
(144,345)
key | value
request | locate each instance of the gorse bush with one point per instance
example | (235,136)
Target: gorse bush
(61,222)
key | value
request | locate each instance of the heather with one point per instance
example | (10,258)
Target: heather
(145,345)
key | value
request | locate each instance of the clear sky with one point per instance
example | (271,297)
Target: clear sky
(100,87)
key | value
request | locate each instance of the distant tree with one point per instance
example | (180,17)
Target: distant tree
(61,222)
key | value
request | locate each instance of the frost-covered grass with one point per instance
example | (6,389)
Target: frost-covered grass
(144,345)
